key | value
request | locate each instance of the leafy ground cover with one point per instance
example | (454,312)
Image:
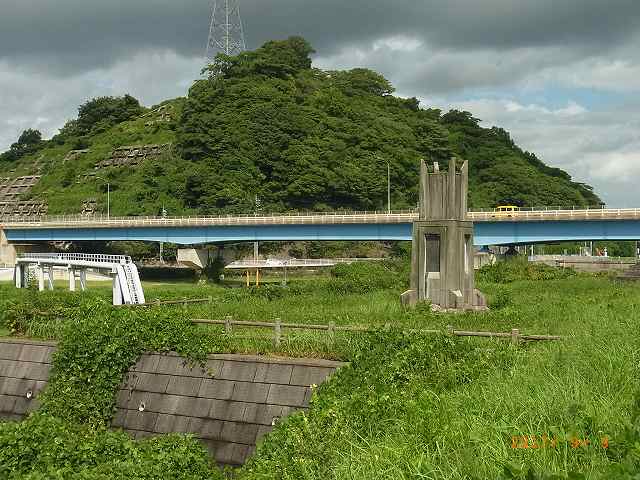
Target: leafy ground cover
(408,406)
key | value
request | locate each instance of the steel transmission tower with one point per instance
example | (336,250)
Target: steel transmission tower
(225,31)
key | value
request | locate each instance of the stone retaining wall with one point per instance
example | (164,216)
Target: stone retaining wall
(24,371)
(229,405)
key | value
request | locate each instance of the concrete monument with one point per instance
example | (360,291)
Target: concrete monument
(442,249)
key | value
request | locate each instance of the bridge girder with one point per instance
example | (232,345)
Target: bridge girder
(485,233)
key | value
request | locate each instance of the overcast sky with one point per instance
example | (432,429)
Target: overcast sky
(563,76)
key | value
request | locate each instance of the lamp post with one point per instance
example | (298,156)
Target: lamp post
(388,187)
(388,183)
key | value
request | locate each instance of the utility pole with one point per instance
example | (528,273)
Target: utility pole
(388,187)
(257,207)
(164,215)
(226,34)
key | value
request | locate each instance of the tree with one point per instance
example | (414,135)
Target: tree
(101,113)
(279,58)
(30,137)
(363,81)
(29,141)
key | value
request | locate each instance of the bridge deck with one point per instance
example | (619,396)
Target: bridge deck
(312,219)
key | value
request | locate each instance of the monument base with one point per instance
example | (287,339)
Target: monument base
(478,304)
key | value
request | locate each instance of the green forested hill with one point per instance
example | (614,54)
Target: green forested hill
(267,125)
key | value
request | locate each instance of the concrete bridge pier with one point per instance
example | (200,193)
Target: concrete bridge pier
(118,297)
(200,257)
(20,276)
(77,275)
(50,278)
(7,251)
(83,280)
(44,273)
(40,274)
(72,279)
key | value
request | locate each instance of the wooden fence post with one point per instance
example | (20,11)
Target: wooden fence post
(332,333)
(227,324)
(515,335)
(278,332)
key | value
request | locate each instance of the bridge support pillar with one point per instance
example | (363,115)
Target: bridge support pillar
(40,273)
(72,279)
(50,278)
(442,249)
(83,280)
(7,251)
(18,276)
(118,298)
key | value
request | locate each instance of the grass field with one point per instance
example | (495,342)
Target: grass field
(440,407)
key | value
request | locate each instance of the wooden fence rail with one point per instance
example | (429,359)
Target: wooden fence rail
(184,301)
(331,328)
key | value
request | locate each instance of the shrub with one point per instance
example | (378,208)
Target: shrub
(500,300)
(364,277)
(519,269)
(45,447)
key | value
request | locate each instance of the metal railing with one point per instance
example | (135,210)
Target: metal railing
(296,262)
(74,257)
(311,218)
(573,214)
(272,219)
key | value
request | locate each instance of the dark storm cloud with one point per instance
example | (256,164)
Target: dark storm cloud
(73,35)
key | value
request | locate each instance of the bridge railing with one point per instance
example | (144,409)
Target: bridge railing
(293,218)
(573,214)
(296,262)
(75,257)
(230,219)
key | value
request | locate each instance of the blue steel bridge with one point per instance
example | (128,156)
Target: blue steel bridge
(490,228)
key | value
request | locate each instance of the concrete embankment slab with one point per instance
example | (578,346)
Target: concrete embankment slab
(230,404)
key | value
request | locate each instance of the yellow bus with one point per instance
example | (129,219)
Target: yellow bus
(505,210)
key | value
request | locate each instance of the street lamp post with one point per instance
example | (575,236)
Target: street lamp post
(388,183)
(388,187)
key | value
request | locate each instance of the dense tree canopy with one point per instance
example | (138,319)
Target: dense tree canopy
(265,131)
(267,124)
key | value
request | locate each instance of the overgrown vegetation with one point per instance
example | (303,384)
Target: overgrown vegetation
(68,436)
(408,406)
(519,268)
(49,448)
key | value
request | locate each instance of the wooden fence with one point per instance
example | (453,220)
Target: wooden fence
(278,326)
(183,302)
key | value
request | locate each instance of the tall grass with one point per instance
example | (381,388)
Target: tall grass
(437,407)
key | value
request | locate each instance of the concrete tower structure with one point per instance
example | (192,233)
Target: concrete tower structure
(442,249)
